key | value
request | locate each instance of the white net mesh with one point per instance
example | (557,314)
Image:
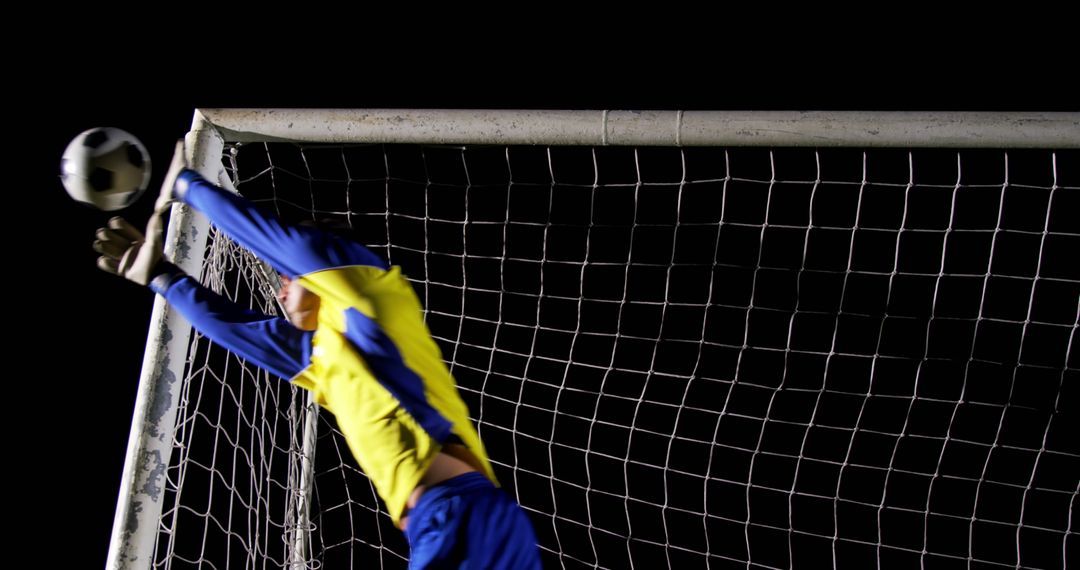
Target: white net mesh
(683,357)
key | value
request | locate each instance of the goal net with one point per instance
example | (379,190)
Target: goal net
(806,353)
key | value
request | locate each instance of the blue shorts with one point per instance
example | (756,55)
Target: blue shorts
(467,522)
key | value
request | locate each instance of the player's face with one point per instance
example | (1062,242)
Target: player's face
(301,305)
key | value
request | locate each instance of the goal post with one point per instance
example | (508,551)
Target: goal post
(150,442)
(650,128)
(688,338)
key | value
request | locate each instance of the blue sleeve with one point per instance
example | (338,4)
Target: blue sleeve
(270,342)
(292,250)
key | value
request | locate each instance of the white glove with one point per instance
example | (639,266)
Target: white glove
(127,253)
(179,163)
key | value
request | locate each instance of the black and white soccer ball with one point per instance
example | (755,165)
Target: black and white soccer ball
(105,167)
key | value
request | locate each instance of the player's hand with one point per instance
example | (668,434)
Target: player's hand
(178,164)
(128,253)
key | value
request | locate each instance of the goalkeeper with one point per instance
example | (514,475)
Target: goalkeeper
(356,338)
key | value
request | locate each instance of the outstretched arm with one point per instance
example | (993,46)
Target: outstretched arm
(290,249)
(270,342)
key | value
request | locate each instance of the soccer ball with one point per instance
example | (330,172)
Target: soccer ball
(107,168)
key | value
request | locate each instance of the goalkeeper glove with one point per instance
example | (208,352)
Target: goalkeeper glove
(168,187)
(127,253)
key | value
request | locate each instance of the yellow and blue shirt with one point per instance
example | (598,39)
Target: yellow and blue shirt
(371,361)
